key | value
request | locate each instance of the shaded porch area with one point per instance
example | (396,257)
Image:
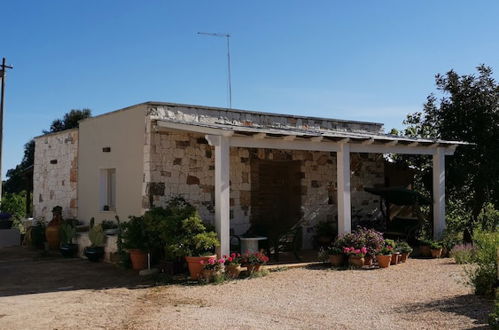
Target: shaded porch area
(224,137)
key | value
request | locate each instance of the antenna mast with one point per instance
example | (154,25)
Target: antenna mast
(229,82)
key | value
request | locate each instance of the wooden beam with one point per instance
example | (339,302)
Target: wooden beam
(369,141)
(260,136)
(317,139)
(171,126)
(289,137)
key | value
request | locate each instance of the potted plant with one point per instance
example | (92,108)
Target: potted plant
(95,251)
(436,249)
(425,247)
(325,232)
(355,256)
(253,261)
(68,233)
(110,227)
(384,256)
(211,268)
(232,265)
(371,239)
(336,256)
(405,250)
(135,240)
(395,253)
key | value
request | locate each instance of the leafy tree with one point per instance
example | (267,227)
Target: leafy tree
(17,179)
(468,111)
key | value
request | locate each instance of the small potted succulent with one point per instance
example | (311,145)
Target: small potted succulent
(253,261)
(68,233)
(336,256)
(355,256)
(232,265)
(405,250)
(211,268)
(95,251)
(436,249)
(384,256)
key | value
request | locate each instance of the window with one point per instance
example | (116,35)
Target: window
(108,189)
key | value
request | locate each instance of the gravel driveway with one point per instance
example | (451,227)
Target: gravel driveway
(421,294)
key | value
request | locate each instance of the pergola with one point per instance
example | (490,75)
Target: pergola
(222,137)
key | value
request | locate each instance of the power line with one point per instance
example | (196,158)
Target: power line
(229,82)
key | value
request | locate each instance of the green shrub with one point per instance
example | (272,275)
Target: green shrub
(134,234)
(489,218)
(494,316)
(483,274)
(463,253)
(15,205)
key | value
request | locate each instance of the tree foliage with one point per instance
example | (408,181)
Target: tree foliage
(17,178)
(467,111)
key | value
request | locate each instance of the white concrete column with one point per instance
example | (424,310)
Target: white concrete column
(222,192)
(438,193)
(343,174)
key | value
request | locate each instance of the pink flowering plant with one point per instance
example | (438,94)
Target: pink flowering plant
(256,258)
(234,259)
(351,251)
(213,263)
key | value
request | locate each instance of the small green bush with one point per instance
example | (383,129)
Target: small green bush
(483,274)
(494,316)
(463,253)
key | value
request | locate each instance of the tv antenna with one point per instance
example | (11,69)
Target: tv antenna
(3,72)
(229,82)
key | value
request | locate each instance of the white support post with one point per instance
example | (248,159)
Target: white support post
(343,174)
(222,192)
(438,193)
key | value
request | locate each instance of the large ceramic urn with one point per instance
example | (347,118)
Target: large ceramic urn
(53,228)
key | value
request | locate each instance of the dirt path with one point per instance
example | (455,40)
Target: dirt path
(421,294)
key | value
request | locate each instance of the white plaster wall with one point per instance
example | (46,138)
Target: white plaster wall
(123,132)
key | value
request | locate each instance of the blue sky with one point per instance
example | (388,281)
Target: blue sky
(361,60)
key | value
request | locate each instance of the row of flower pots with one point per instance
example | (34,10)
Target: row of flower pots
(209,267)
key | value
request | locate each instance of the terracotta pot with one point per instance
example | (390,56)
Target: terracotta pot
(445,252)
(208,275)
(436,253)
(425,251)
(384,261)
(356,261)
(368,261)
(52,236)
(232,271)
(138,258)
(336,260)
(195,267)
(253,268)
(395,258)
(404,256)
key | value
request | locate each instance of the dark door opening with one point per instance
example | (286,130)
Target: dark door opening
(275,197)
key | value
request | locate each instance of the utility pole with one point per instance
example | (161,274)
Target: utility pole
(3,68)
(229,82)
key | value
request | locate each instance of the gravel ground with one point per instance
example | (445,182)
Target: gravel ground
(421,294)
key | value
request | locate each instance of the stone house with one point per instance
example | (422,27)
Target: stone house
(235,166)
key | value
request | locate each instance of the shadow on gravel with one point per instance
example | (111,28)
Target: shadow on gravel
(472,306)
(24,271)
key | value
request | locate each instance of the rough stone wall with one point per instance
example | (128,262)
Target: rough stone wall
(256,119)
(183,164)
(56,174)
